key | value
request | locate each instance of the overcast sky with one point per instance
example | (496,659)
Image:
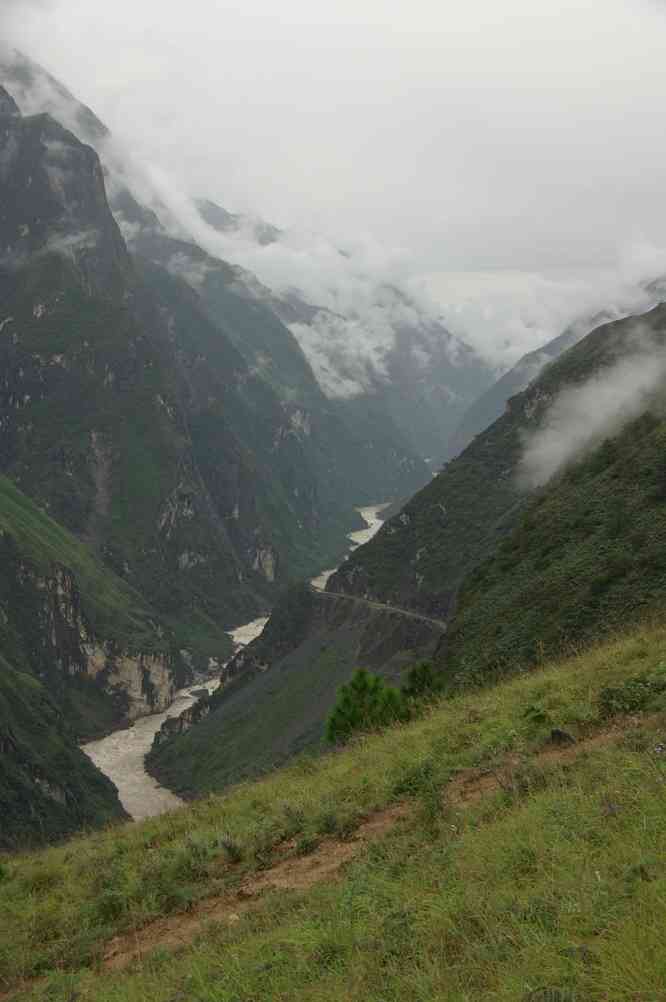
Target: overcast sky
(525,135)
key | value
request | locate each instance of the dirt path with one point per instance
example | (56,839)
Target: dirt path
(296,873)
(299,873)
(324,864)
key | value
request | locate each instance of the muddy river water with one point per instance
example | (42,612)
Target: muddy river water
(121,755)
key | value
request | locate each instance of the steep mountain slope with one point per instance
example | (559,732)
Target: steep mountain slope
(356,453)
(132,418)
(586,558)
(89,402)
(344,448)
(87,635)
(428,376)
(48,788)
(81,653)
(490,404)
(420,557)
(422,377)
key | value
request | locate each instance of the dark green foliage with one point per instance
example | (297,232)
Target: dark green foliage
(366,703)
(586,558)
(48,787)
(634,694)
(424,682)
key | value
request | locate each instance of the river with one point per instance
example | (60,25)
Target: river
(120,755)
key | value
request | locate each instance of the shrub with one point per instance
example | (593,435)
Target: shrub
(423,682)
(634,694)
(364,704)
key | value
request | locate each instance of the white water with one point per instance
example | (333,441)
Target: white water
(120,756)
(373,524)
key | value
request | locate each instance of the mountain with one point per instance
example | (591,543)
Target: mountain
(180,481)
(490,404)
(214,528)
(356,452)
(423,377)
(90,403)
(420,557)
(480,571)
(586,556)
(416,384)
(243,309)
(416,373)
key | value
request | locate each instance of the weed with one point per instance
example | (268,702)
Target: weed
(231,847)
(633,694)
(327,823)
(306,845)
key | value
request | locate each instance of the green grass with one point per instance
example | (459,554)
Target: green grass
(556,882)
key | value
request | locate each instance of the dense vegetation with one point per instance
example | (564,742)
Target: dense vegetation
(366,703)
(48,788)
(587,557)
(515,865)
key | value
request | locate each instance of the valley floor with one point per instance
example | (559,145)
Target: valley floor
(510,845)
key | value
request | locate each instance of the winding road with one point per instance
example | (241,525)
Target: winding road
(381,606)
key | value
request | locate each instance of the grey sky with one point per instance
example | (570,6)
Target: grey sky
(525,135)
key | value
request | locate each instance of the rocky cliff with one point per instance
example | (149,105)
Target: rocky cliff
(70,622)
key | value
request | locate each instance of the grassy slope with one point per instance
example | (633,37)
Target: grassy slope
(48,788)
(558,881)
(588,556)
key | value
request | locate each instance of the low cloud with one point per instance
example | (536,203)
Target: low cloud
(71,244)
(367,290)
(506,314)
(360,289)
(581,417)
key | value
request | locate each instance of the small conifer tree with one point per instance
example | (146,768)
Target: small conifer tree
(365,703)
